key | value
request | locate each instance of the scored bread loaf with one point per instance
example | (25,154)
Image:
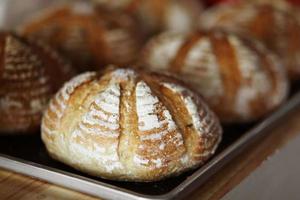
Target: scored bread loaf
(85,36)
(29,73)
(278,29)
(240,79)
(129,125)
(159,15)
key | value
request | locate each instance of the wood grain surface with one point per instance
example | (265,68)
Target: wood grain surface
(18,187)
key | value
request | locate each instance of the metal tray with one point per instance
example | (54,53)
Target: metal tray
(27,155)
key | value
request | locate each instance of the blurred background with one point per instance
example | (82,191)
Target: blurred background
(13,12)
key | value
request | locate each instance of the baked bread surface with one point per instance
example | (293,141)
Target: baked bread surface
(159,15)
(85,35)
(30,72)
(129,125)
(238,77)
(278,29)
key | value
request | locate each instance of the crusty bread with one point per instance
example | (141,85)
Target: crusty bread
(87,37)
(29,73)
(159,15)
(129,125)
(278,29)
(240,79)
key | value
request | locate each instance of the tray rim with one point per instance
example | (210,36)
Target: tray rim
(104,190)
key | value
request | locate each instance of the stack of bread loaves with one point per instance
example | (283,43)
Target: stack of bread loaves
(142,123)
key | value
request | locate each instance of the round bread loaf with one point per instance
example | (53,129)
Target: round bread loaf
(239,78)
(29,73)
(129,125)
(159,15)
(279,30)
(85,36)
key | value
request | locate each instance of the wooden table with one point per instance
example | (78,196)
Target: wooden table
(15,186)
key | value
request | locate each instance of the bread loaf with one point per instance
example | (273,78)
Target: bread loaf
(129,125)
(29,73)
(159,15)
(279,30)
(90,39)
(239,78)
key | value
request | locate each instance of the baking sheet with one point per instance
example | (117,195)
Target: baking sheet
(31,149)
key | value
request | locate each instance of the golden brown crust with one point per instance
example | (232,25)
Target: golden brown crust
(176,102)
(129,125)
(90,39)
(29,74)
(178,61)
(233,73)
(155,16)
(255,20)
